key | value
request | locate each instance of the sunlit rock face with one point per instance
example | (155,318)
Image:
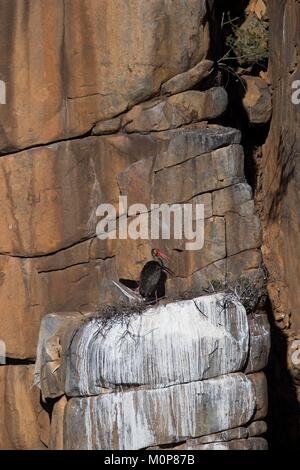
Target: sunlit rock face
(177,343)
(170,374)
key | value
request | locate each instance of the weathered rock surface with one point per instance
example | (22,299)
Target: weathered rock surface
(56,333)
(56,441)
(189,142)
(224,436)
(187,80)
(53,260)
(63,184)
(252,443)
(218,169)
(279,201)
(259,382)
(21,416)
(243,263)
(178,110)
(74,73)
(231,439)
(77,67)
(257,100)
(172,418)
(231,199)
(243,231)
(257,428)
(110,126)
(260,343)
(278,173)
(177,343)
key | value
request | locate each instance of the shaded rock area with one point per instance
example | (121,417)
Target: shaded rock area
(278,201)
(176,383)
(257,100)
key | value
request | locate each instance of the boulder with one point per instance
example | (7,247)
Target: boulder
(158,416)
(155,349)
(257,100)
(178,110)
(187,80)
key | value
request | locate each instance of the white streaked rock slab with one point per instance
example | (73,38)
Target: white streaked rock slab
(142,418)
(170,344)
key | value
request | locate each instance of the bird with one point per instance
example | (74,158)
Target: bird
(153,273)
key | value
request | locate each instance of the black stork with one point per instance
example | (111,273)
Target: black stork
(151,275)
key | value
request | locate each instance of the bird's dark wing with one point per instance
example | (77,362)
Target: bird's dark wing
(149,279)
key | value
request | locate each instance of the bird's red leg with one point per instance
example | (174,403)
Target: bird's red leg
(156,296)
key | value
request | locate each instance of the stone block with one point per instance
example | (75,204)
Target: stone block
(144,418)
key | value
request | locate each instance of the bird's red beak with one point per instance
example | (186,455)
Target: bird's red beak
(162,255)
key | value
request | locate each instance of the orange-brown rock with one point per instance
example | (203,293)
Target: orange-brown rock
(110,126)
(21,415)
(279,201)
(187,80)
(279,174)
(49,195)
(71,64)
(218,169)
(57,425)
(243,263)
(178,110)
(257,100)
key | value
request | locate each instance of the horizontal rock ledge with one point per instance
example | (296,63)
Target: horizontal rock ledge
(139,419)
(169,344)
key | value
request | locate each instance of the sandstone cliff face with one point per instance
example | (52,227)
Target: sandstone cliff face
(68,64)
(279,173)
(165,376)
(278,197)
(87,121)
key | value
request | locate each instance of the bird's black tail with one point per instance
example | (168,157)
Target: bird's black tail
(169,271)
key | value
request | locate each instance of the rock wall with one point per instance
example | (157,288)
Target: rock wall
(166,376)
(278,199)
(103,100)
